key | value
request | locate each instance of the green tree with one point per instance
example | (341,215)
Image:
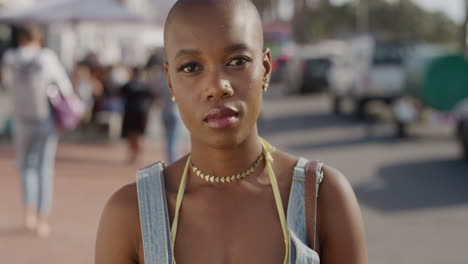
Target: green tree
(400,20)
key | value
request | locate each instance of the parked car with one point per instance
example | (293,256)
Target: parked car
(462,127)
(307,70)
(462,135)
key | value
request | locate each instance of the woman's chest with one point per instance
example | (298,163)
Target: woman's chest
(246,229)
(221,237)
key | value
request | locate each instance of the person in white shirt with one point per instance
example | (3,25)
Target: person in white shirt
(27,72)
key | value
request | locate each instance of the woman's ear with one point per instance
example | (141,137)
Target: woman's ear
(267,64)
(168,77)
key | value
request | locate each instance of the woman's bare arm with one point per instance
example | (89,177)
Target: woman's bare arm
(341,228)
(118,234)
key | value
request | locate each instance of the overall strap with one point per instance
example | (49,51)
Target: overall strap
(314,177)
(296,214)
(153,215)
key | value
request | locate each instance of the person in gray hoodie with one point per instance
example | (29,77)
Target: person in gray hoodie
(27,73)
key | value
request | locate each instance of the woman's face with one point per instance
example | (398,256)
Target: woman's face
(216,68)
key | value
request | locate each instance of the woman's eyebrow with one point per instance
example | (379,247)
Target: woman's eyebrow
(187,52)
(236,47)
(228,49)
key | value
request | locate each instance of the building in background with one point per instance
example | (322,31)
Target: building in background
(7,4)
(115,41)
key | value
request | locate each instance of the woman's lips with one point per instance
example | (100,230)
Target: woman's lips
(222,117)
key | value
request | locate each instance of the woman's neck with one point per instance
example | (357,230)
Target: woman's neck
(226,161)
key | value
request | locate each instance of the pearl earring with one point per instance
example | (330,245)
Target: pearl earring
(173,99)
(265,84)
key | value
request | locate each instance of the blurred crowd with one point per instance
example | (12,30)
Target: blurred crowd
(47,101)
(119,99)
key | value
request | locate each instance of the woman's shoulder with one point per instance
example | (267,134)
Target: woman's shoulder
(335,186)
(125,195)
(123,204)
(119,233)
(122,212)
(334,190)
(340,221)
(335,179)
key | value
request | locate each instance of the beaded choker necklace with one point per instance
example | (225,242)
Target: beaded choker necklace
(227,179)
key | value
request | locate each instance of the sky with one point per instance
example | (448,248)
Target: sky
(453,8)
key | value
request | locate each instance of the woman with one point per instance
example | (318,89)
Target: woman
(27,72)
(227,201)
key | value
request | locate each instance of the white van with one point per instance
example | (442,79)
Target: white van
(370,71)
(382,78)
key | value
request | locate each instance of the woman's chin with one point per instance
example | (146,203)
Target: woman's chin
(227,139)
(224,141)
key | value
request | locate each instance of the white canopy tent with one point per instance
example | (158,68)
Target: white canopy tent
(12,4)
(72,10)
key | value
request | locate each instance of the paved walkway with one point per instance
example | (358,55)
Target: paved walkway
(86,175)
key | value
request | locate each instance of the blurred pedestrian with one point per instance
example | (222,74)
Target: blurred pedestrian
(85,87)
(28,71)
(137,97)
(170,116)
(97,78)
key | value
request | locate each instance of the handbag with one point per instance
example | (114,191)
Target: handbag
(313,178)
(68,110)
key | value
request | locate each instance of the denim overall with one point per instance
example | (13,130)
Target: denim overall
(155,224)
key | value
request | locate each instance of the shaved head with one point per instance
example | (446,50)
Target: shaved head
(221,11)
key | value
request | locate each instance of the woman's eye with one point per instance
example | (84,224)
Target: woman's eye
(238,61)
(189,68)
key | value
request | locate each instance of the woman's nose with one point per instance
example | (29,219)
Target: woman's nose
(219,88)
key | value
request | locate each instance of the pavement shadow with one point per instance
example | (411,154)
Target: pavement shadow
(303,121)
(77,161)
(13,231)
(416,185)
(6,150)
(62,158)
(341,143)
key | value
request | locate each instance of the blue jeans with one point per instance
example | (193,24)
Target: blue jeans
(36,146)
(172,123)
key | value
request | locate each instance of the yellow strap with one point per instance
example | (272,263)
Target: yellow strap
(267,150)
(180,196)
